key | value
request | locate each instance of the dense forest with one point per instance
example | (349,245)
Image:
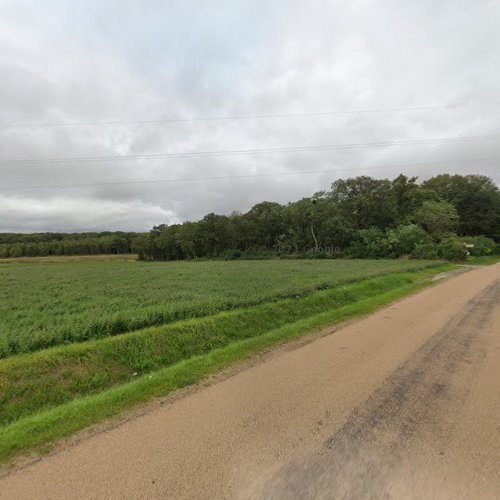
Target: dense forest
(41,244)
(360,217)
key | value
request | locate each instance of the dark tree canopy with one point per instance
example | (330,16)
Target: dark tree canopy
(359,217)
(476,198)
(366,201)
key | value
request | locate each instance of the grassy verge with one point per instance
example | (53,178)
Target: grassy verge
(36,431)
(484,260)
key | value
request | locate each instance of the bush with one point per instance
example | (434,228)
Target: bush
(318,255)
(288,256)
(235,254)
(453,249)
(370,243)
(404,239)
(425,251)
(482,245)
(231,254)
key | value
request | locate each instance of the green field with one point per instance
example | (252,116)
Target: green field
(123,332)
(44,304)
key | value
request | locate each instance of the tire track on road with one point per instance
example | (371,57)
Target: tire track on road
(419,402)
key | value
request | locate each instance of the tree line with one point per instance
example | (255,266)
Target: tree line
(360,217)
(42,244)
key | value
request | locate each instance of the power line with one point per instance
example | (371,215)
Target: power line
(225,118)
(289,149)
(243,176)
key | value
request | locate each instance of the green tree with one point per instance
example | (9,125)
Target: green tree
(216,234)
(438,218)
(301,222)
(367,202)
(405,191)
(476,198)
(336,231)
(265,224)
(187,239)
(142,246)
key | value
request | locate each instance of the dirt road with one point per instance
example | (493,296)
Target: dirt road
(402,404)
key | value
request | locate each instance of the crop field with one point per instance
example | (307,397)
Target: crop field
(44,304)
(84,340)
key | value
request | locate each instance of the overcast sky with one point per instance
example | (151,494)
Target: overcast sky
(119,60)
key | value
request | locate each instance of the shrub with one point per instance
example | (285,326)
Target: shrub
(317,255)
(231,254)
(425,251)
(453,249)
(404,239)
(289,256)
(370,243)
(482,245)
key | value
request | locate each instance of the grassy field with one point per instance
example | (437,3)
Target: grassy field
(50,394)
(46,303)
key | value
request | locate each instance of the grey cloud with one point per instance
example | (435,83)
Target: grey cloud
(115,60)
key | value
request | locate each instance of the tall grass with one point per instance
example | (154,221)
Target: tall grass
(57,303)
(483,260)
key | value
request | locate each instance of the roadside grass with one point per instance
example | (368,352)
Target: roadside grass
(483,260)
(37,432)
(47,304)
